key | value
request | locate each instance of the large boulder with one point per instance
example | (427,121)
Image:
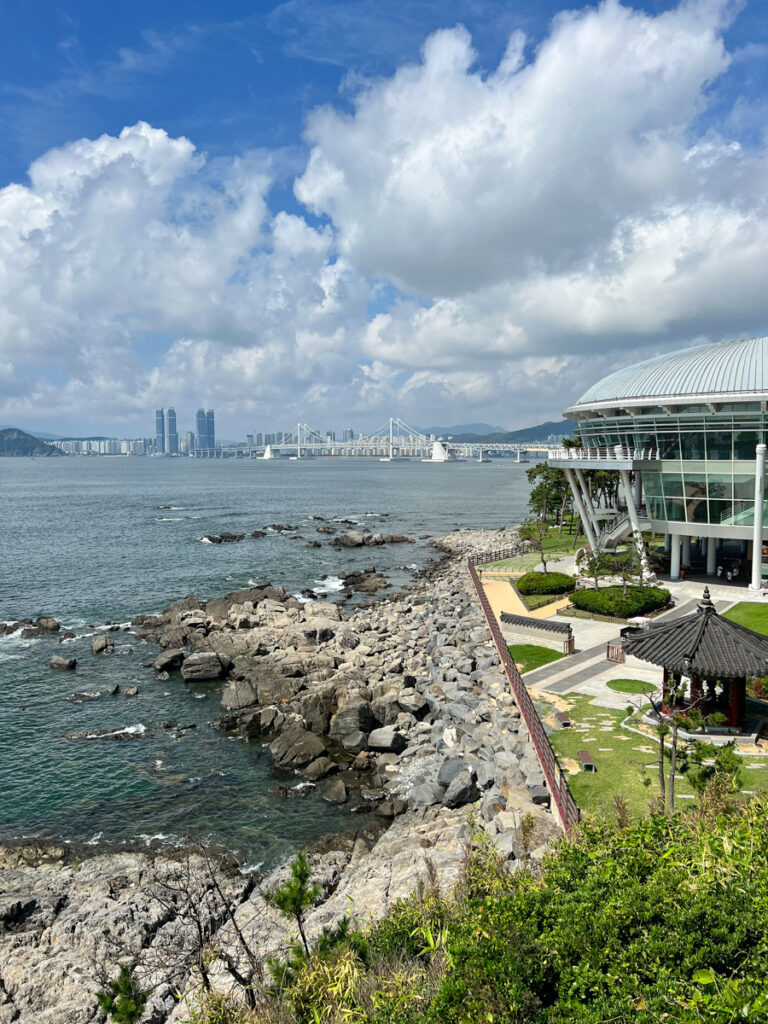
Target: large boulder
(319,768)
(352,539)
(169,660)
(202,666)
(387,739)
(462,790)
(239,693)
(68,664)
(449,769)
(296,747)
(353,715)
(102,644)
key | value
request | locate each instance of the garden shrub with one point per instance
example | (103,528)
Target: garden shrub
(545,583)
(611,601)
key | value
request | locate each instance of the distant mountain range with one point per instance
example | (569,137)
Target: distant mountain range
(18,443)
(463,428)
(540,432)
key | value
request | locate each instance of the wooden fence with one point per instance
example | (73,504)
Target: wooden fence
(556,780)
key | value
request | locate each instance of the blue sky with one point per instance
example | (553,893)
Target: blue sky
(350,293)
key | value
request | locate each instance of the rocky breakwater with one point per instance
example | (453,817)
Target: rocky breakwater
(399,706)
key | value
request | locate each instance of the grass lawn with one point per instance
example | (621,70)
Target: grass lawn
(534,601)
(554,548)
(750,614)
(626,762)
(630,686)
(529,656)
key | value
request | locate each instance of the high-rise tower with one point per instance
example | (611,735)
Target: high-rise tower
(211,429)
(159,431)
(171,436)
(201,429)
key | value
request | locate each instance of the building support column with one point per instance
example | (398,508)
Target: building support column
(638,489)
(637,534)
(674,561)
(757,534)
(686,554)
(667,543)
(587,499)
(586,521)
(711,556)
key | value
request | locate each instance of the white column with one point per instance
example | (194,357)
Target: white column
(757,533)
(711,556)
(674,566)
(586,497)
(638,488)
(634,520)
(686,554)
(586,522)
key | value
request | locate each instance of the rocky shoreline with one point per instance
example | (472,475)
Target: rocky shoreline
(400,708)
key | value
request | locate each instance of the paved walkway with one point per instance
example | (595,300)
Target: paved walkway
(504,598)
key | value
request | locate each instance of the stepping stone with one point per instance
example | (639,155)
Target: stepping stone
(606,728)
(605,750)
(753,767)
(623,737)
(644,750)
(685,796)
(590,739)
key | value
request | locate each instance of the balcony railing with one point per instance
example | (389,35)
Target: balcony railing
(619,453)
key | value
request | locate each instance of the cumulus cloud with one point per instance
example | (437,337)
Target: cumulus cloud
(484,242)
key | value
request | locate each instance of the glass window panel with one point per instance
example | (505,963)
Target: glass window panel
(719,444)
(743,486)
(696,511)
(744,444)
(732,513)
(655,507)
(692,445)
(719,485)
(673,484)
(652,484)
(675,510)
(645,439)
(695,486)
(669,444)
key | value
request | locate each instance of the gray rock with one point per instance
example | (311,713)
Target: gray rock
(462,790)
(68,664)
(412,702)
(506,845)
(169,660)
(354,742)
(352,539)
(130,691)
(333,791)
(103,644)
(319,768)
(352,716)
(449,770)
(387,739)
(540,795)
(424,796)
(202,666)
(296,747)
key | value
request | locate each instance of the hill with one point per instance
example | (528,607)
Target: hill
(463,428)
(18,443)
(540,432)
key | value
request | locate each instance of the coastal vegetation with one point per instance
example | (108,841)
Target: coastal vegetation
(660,919)
(545,583)
(620,602)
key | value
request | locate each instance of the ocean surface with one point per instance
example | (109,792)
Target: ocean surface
(92,540)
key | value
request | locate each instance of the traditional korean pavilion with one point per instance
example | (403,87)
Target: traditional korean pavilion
(712,652)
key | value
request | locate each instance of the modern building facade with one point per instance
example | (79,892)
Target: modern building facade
(171,434)
(159,431)
(211,430)
(686,433)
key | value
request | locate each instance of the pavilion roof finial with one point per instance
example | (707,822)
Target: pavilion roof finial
(705,604)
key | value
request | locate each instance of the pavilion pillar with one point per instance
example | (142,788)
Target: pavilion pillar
(757,531)
(577,498)
(695,691)
(711,556)
(674,560)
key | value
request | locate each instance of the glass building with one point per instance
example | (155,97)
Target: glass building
(159,431)
(686,432)
(201,430)
(211,429)
(171,435)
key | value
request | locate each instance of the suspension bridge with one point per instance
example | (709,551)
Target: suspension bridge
(395,439)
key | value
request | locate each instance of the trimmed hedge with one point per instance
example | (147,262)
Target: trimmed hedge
(545,583)
(611,601)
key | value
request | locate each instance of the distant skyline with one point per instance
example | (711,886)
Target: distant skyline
(333,212)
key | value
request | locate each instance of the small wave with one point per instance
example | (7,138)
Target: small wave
(169,519)
(129,730)
(204,540)
(248,869)
(304,785)
(95,840)
(328,586)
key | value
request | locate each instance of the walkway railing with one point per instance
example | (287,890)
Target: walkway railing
(617,454)
(556,780)
(498,556)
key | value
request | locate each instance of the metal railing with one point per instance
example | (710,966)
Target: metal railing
(557,783)
(498,556)
(619,453)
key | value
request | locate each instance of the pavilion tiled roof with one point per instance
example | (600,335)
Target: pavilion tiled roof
(704,644)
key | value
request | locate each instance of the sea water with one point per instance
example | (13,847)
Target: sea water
(91,540)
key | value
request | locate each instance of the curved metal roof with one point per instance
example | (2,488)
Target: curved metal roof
(727,368)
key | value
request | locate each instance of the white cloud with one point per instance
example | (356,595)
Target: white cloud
(517,232)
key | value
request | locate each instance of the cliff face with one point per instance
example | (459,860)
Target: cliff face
(17,443)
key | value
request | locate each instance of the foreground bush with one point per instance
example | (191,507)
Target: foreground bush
(611,601)
(666,920)
(545,583)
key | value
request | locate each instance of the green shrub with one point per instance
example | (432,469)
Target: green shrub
(611,601)
(545,583)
